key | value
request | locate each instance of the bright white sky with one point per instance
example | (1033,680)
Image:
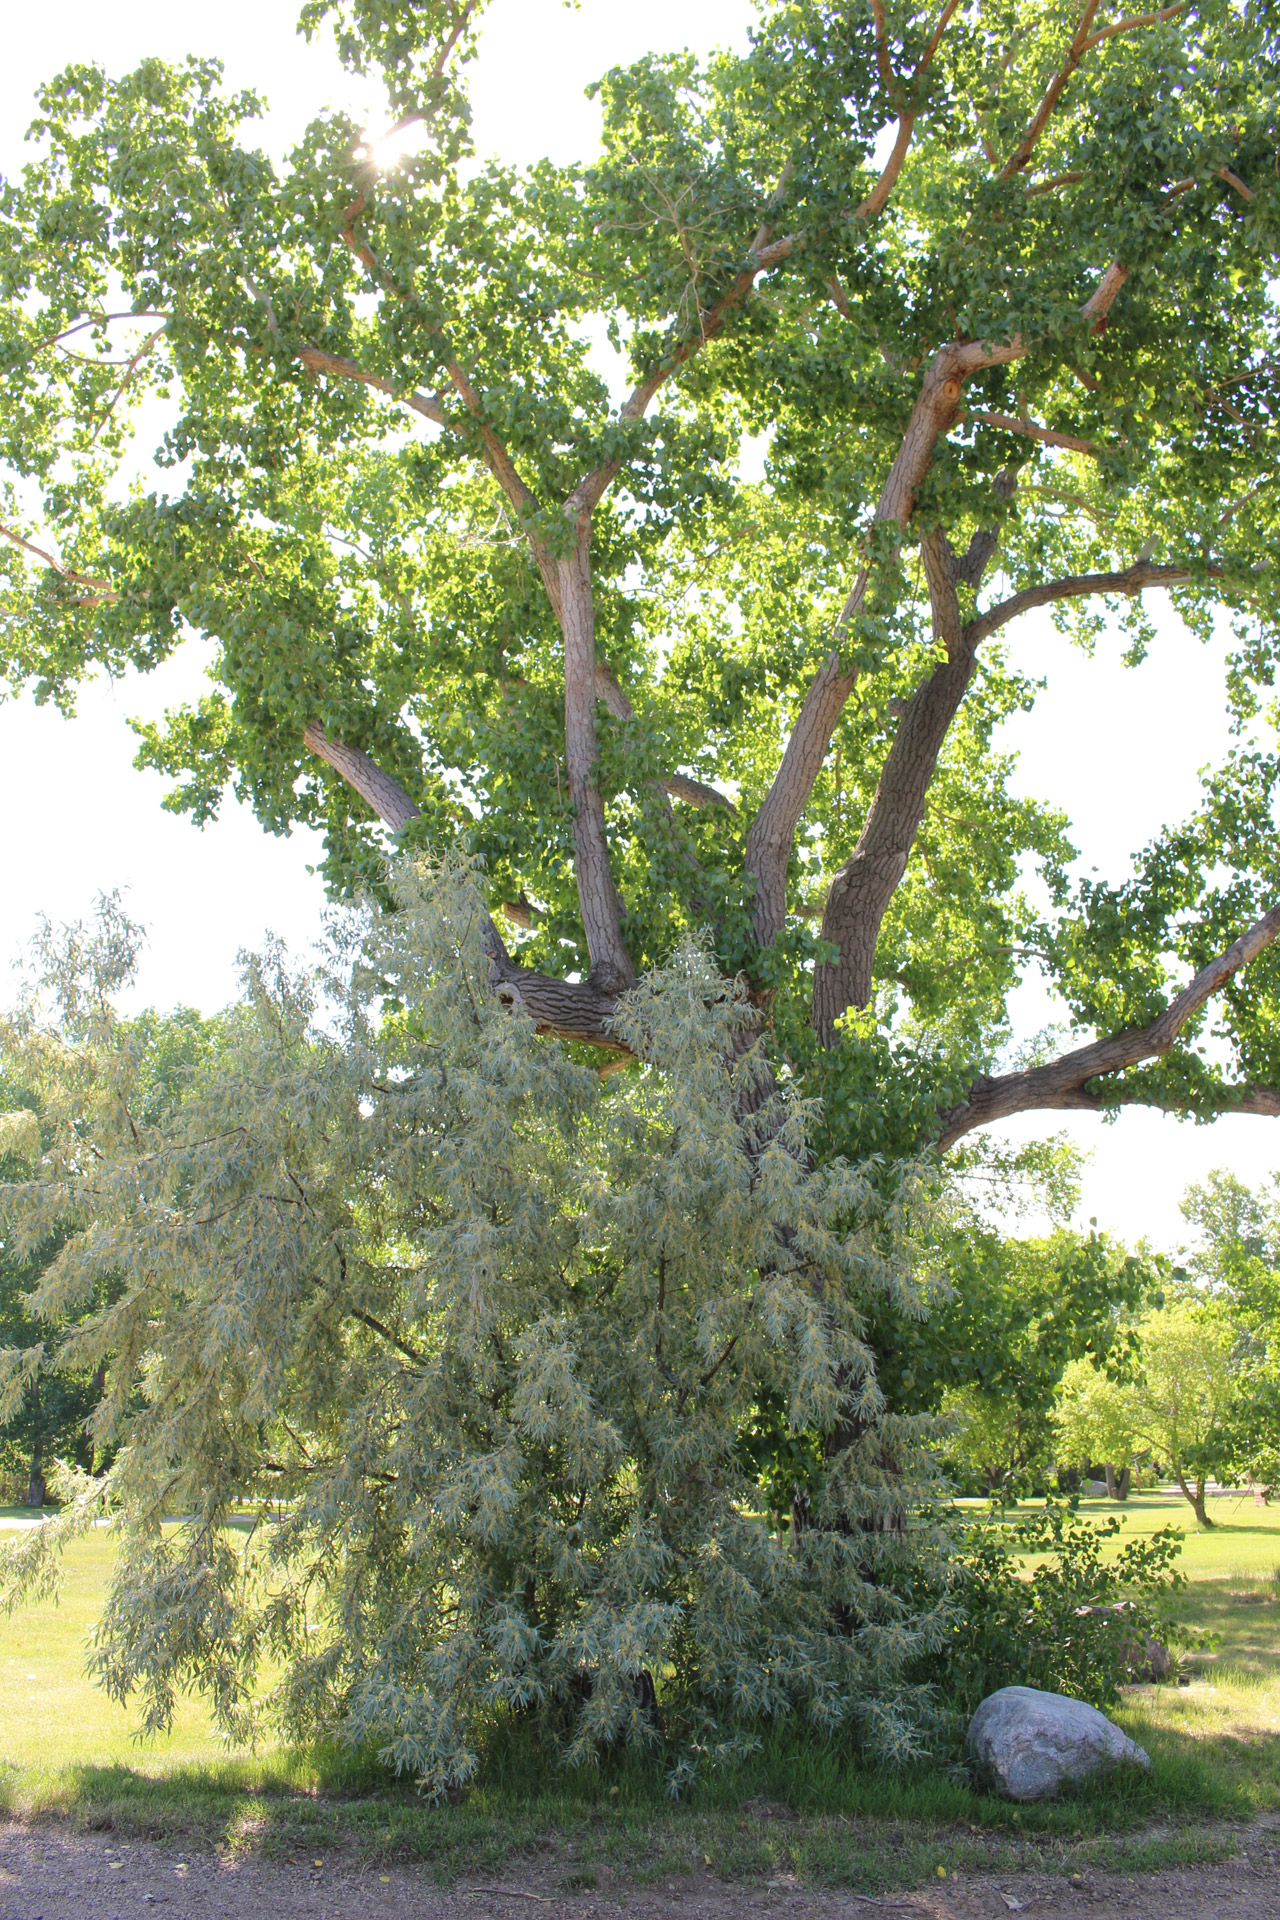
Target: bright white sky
(1119,749)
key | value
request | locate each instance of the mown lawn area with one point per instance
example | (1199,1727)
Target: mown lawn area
(1229,1713)
(66,1750)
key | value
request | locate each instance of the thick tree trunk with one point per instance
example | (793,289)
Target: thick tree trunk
(1117,1483)
(1195,1494)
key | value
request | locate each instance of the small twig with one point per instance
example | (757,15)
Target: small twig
(130,370)
(508,1893)
(1058,180)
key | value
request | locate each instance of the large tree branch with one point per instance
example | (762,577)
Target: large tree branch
(611,967)
(1076,50)
(1135,20)
(772,832)
(338,367)
(1064,1082)
(380,791)
(861,891)
(569,1009)
(1076,586)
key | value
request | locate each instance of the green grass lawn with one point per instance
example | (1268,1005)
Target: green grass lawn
(65,1749)
(1229,1713)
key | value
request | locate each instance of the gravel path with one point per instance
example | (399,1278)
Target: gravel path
(49,1872)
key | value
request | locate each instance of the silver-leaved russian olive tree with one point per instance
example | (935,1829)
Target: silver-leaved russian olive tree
(993,286)
(478,1335)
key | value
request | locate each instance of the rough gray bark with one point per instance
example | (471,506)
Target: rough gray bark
(863,888)
(611,967)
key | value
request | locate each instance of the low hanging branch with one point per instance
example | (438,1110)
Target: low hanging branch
(1064,1083)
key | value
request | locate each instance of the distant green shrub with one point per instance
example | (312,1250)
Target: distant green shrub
(1075,1623)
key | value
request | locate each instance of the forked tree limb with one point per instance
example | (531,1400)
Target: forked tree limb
(1064,1083)
(569,1009)
(772,832)
(878,197)
(1076,49)
(861,891)
(1082,41)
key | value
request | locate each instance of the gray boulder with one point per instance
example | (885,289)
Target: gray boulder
(1028,1745)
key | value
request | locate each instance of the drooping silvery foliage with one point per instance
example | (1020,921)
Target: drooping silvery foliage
(476,1332)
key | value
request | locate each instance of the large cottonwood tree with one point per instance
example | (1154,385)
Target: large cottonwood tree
(920,320)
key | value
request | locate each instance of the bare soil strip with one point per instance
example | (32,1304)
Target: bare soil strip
(52,1872)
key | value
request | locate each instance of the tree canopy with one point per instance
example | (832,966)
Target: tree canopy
(651,529)
(1181,1405)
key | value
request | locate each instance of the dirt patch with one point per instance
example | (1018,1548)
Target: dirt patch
(50,1872)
